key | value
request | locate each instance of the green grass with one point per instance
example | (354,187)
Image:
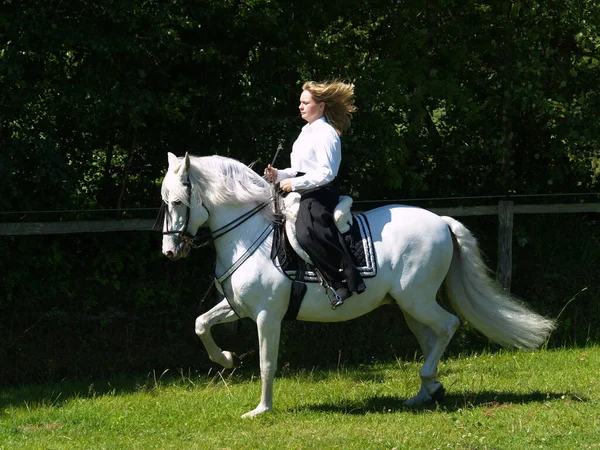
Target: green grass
(506,400)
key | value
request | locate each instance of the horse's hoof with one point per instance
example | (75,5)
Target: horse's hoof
(229,360)
(422,398)
(439,395)
(237,361)
(425,398)
(412,403)
(255,412)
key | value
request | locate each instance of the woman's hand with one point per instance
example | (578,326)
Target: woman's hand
(271,173)
(286,185)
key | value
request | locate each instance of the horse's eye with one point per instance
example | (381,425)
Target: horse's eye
(177,203)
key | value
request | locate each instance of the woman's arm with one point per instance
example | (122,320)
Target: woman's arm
(322,167)
(273,174)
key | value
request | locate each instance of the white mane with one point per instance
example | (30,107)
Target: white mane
(221,180)
(225,180)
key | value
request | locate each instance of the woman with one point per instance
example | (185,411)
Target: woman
(315,161)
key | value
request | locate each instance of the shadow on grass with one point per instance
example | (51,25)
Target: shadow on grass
(451,403)
(59,393)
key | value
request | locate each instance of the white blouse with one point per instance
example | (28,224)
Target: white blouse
(318,153)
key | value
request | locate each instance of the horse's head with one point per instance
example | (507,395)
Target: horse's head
(184,212)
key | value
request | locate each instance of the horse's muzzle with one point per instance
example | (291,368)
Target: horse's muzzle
(181,252)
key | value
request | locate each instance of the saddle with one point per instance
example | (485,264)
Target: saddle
(294,261)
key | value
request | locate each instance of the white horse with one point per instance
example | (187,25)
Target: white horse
(416,252)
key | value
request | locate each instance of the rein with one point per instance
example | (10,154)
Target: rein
(235,266)
(214,235)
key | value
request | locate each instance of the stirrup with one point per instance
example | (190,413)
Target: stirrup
(337,299)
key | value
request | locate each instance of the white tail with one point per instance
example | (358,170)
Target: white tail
(478,299)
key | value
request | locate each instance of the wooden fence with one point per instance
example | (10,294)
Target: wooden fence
(505,210)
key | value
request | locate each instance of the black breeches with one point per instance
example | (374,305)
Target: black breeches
(318,235)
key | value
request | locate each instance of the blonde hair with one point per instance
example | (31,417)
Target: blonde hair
(339,102)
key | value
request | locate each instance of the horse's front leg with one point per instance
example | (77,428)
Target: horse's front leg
(269,331)
(221,313)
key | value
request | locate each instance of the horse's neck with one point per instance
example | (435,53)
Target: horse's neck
(240,237)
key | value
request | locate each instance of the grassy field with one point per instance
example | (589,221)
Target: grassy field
(504,400)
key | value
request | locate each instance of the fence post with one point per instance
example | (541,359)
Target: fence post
(505,232)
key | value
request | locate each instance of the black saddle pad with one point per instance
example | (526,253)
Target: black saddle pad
(359,242)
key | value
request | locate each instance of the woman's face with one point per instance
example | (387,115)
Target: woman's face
(310,109)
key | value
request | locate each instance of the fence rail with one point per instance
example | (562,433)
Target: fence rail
(505,210)
(78,226)
(106,226)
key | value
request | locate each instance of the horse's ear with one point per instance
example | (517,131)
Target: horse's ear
(186,162)
(173,160)
(179,166)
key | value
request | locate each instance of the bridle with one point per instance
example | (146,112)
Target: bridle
(210,236)
(183,232)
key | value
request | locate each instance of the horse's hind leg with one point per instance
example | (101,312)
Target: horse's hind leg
(434,327)
(221,313)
